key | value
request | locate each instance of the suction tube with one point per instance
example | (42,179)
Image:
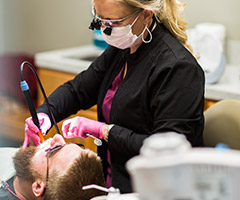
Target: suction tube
(29,100)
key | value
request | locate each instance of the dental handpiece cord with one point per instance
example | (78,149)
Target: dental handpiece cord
(29,101)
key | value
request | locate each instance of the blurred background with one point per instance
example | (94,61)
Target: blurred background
(36,26)
(28,27)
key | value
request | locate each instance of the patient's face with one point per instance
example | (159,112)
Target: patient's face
(36,158)
(60,161)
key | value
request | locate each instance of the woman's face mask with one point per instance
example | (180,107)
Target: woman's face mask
(122,37)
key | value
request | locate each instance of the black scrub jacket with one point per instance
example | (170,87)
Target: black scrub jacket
(163,91)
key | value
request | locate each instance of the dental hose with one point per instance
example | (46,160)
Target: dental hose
(29,100)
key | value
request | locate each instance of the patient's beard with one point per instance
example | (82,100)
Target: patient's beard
(23,164)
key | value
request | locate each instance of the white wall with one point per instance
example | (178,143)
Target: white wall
(2,44)
(219,11)
(40,25)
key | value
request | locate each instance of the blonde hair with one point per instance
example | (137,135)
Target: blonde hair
(168,12)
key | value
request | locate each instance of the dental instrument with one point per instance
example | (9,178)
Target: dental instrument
(29,100)
(97,141)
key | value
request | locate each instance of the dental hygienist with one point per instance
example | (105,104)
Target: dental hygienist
(147,81)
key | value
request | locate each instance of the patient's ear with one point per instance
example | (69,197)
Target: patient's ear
(38,188)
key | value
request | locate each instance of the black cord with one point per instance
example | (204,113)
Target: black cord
(41,87)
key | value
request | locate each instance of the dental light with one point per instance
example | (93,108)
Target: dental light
(168,168)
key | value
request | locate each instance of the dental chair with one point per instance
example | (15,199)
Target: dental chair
(222,124)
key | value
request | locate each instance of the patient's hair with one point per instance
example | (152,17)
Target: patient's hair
(23,164)
(86,170)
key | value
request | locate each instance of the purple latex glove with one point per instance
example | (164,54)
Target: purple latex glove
(31,129)
(79,126)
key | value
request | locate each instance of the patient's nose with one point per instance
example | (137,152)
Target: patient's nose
(46,144)
(58,139)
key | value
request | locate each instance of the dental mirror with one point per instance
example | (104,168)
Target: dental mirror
(97,141)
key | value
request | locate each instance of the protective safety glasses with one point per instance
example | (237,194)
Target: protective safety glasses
(52,151)
(111,23)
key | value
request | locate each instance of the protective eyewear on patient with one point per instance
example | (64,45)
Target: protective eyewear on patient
(52,151)
(111,22)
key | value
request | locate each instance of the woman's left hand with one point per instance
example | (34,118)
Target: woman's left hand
(79,126)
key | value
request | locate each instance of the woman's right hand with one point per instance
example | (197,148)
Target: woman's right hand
(31,129)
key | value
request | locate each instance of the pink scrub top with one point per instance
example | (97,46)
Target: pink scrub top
(106,107)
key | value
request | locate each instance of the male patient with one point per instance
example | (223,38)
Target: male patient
(54,170)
